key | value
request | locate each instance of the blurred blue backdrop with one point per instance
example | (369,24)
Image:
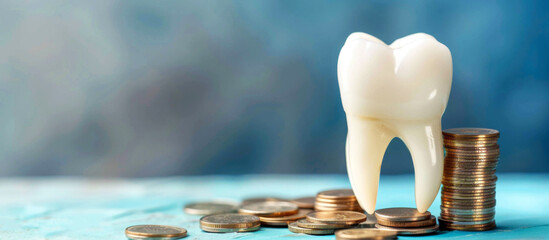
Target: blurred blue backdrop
(151,88)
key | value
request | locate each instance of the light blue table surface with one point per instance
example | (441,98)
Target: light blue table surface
(79,208)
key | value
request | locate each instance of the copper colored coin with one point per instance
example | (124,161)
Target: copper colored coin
(469,186)
(304,202)
(284,220)
(478,201)
(469,191)
(408,224)
(401,214)
(304,223)
(464,212)
(467,196)
(467,207)
(473,218)
(364,234)
(452,225)
(410,231)
(269,209)
(337,194)
(293,227)
(337,217)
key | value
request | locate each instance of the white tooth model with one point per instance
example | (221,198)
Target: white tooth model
(398,90)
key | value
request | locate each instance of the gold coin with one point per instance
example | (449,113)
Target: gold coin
(207,208)
(471,133)
(229,230)
(155,231)
(304,223)
(477,224)
(337,217)
(229,220)
(337,194)
(364,234)
(401,214)
(409,231)
(293,227)
(269,209)
(304,202)
(408,224)
(284,220)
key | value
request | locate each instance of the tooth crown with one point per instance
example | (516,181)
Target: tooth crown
(400,90)
(398,81)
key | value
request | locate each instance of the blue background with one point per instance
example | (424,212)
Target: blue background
(155,88)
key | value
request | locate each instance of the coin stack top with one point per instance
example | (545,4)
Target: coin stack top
(337,200)
(405,221)
(469,181)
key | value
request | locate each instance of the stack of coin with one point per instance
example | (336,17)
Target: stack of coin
(229,222)
(326,222)
(469,180)
(406,221)
(337,200)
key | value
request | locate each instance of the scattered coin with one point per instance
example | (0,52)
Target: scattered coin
(284,220)
(401,214)
(409,231)
(229,222)
(155,232)
(337,217)
(304,223)
(364,234)
(269,209)
(305,202)
(293,227)
(207,208)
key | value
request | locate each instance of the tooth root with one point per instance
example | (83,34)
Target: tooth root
(424,140)
(367,141)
